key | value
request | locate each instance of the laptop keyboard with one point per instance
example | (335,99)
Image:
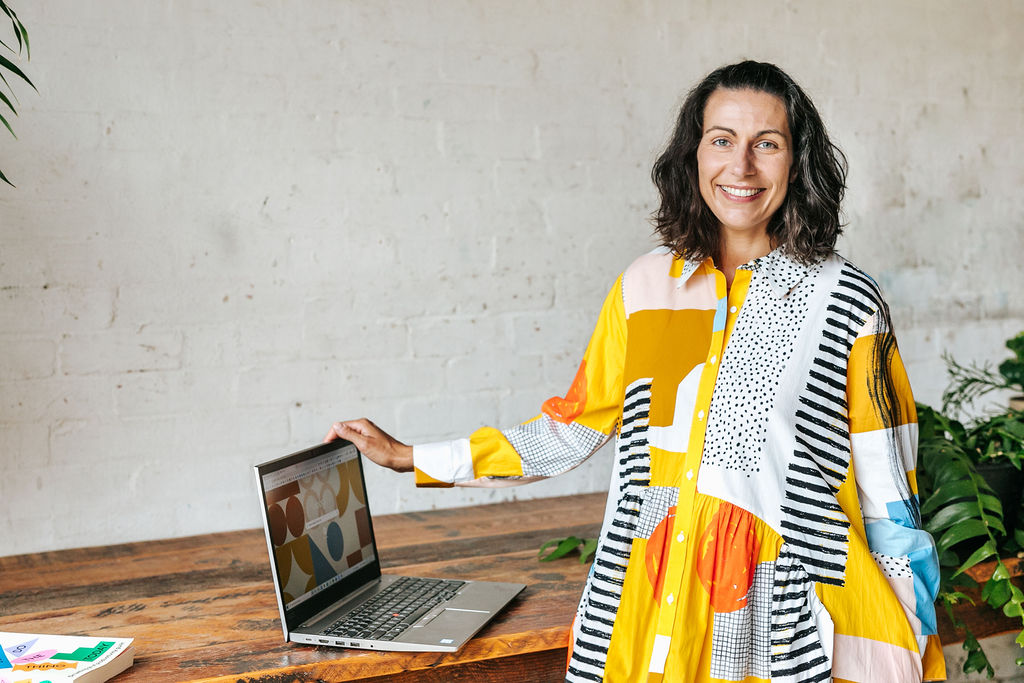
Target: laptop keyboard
(394,609)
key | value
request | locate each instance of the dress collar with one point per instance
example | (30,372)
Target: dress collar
(782,271)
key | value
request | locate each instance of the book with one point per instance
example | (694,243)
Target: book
(35,658)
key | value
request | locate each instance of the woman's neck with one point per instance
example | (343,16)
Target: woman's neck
(735,250)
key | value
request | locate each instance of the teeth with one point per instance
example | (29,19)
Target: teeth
(737,192)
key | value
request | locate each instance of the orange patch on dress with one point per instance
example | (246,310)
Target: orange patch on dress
(728,551)
(657,551)
(567,409)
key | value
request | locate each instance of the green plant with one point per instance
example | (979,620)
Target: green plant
(970,382)
(963,514)
(11,69)
(564,546)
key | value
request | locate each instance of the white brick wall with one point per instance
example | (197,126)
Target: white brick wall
(239,221)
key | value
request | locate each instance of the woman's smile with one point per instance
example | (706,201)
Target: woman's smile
(741,193)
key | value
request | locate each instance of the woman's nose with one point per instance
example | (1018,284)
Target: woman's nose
(742,162)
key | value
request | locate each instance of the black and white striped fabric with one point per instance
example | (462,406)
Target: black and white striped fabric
(592,630)
(797,654)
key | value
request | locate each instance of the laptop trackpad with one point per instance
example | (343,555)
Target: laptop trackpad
(445,625)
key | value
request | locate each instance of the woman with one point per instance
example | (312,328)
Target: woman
(766,525)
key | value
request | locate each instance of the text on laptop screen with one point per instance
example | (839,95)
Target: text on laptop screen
(319,525)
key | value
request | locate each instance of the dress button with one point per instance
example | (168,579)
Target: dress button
(700,415)
(671,598)
(681,537)
(713,359)
(732,310)
(689,474)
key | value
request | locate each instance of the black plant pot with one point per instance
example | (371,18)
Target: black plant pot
(1008,483)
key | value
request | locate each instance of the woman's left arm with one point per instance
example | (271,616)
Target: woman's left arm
(883,436)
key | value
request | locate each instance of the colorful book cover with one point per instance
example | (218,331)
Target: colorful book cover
(36,658)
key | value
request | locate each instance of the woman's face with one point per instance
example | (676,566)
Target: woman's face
(744,159)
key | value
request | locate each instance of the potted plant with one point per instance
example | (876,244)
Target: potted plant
(995,442)
(964,515)
(969,383)
(970,480)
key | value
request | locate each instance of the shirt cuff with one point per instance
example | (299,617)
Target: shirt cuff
(442,463)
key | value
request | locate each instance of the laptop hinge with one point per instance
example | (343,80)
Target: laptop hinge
(338,605)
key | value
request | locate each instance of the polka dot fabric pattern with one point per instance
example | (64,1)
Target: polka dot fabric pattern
(758,351)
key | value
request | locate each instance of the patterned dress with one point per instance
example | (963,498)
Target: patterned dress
(763,520)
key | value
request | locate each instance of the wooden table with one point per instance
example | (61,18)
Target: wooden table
(202,608)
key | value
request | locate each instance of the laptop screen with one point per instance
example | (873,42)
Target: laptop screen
(318,523)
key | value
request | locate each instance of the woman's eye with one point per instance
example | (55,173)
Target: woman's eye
(767,144)
(719,142)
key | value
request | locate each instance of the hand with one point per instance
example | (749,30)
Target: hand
(374,443)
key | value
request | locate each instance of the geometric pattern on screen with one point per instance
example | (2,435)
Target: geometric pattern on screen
(319,527)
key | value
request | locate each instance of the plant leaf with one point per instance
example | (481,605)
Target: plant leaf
(588,549)
(564,546)
(950,515)
(13,68)
(6,101)
(987,550)
(950,492)
(996,593)
(970,528)
(4,121)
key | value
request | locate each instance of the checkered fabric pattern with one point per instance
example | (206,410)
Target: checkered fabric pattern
(740,645)
(656,502)
(548,447)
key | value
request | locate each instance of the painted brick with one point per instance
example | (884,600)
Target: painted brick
(43,401)
(416,216)
(434,415)
(120,350)
(24,446)
(56,310)
(457,336)
(283,384)
(487,371)
(339,337)
(171,393)
(26,358)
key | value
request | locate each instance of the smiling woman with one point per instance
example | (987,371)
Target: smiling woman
(763,522)
(780,126)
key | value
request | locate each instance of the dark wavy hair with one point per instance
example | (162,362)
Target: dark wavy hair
(806,224)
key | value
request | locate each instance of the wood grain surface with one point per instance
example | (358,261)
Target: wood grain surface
(203,608)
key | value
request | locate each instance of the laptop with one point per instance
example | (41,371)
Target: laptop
(330,590)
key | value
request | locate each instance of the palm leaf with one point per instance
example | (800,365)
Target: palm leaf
(6,101)
(4,121)
(13,68)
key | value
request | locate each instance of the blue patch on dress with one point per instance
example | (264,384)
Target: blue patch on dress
(891,538)
(719,323)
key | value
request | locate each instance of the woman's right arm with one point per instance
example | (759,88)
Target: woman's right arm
(568,430)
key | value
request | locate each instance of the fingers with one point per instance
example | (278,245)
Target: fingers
(353,431)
